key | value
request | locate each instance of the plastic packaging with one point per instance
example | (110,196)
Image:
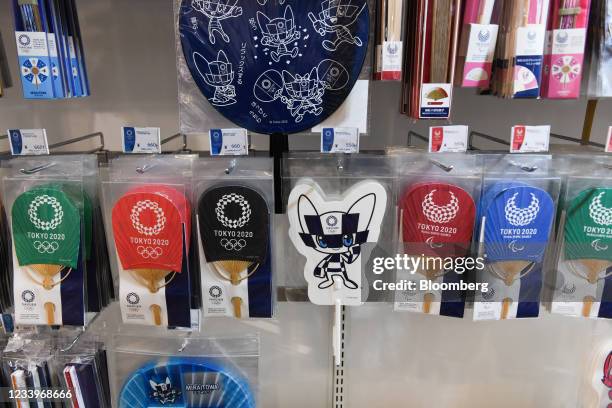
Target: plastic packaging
(437,217)
(51,218)
(148,217)
(583,284)
(235,200)
(185,371)
(516,216)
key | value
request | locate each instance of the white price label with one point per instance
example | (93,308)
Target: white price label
(141,139)
(448,139)
(530,139)
(609,141)
(229,142)
(28,142)
(340,140)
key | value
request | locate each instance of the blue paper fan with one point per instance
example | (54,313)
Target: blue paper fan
(518,223)
(274,66)
(189,382)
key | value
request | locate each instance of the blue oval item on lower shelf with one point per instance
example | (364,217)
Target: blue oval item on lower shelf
(276,66)
(189,382)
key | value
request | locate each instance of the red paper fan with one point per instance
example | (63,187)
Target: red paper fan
(438,220)
(178,199)
(148,230)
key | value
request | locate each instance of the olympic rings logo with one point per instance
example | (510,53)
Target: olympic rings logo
(58,212)
(245,208)
(233,244)
(149,252)
(160,218)
(46,247)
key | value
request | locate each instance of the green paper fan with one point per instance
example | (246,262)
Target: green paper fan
(46,228)
(588,233)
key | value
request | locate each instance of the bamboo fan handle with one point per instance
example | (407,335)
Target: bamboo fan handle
(587,304)
(427,301)
(235,278)
(156,310)
(505,308)
(237,303)
(50,312)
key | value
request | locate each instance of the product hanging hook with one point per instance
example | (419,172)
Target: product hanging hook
(232,165)
(340,164)
(145,168)
(444,167)
(37,169)
(528,169)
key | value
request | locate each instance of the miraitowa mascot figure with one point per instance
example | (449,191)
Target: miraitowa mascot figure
(330,233)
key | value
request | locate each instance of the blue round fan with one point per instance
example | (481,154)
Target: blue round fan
(518,223)
(190,382)
(275,66)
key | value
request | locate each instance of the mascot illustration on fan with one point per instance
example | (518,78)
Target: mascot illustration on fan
(334,18)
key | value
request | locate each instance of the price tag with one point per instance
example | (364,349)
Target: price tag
(609,141)
(141,140)
(529,139)
(28,142)
(340,140)
(229,142)
(448,139)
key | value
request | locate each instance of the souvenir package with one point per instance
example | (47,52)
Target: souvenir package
(564,53)
(519,53)
(269,66)
(80,364)
(477,46)
(50,210)
(341,217)
(583,284)
(27,367)
(437,216)
(185,372)
(389,45)
(148,218)
(50,50)
(515,218)
(235,199)
(432,38)
(600,34)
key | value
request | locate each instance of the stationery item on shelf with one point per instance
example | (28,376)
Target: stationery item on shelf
(515,223)
(429,65)
(437,222)
(50,49)
(35,63)
(477,46)
(47,245)
(600,47)
(565,43)
(274,69)
(520,49)
(151,230)
(26,364)
(389,45)
(187,382)
(330,232)
(234,225)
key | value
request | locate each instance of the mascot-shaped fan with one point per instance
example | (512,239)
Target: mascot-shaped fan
(330,233)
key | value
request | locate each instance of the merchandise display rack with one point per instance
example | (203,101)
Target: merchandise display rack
(184,302)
